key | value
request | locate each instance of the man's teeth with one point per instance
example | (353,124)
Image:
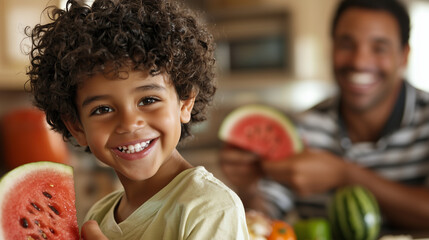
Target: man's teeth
(362,78)
(134,148)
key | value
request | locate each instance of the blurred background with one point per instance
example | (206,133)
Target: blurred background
(275,52)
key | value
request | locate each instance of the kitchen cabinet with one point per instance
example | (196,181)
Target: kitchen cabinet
(249,25)
(15,16)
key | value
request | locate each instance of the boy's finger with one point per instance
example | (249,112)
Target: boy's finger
(91,231)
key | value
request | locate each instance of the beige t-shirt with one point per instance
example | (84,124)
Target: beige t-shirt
(194,205)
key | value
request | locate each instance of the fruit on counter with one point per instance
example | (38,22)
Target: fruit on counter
(281,231)
(354,214)
(261,129)
(258,225)
(399,237)
(313,229)
(37,201)
(263,228)
(27,137)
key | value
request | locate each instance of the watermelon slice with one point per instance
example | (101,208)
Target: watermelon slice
(37,201)
(261,129)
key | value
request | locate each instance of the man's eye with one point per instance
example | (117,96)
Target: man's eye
(102,109)
(345,46)
(147,101)
(380,49)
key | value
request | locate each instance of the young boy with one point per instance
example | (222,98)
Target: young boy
(125,78)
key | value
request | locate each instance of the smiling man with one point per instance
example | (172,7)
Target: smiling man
(369,59)
(375,133)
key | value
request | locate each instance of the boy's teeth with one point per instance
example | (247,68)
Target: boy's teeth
(134,148)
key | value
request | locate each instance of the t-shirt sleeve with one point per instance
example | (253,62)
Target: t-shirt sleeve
(226,224)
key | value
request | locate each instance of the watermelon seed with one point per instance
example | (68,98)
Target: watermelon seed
(52,230)
(43,234)
(47,195)
(54,209)
(24,222)
(35,206)
(37,223)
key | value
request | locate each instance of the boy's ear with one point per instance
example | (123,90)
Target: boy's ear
(76,130)
(186,108)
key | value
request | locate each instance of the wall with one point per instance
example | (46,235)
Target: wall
(14,17)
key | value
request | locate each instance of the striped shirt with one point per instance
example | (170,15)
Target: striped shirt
(401,154)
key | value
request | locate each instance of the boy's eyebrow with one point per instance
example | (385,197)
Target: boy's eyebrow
(90,99)
(148,87)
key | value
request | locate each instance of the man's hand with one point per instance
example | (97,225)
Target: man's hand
(309,172)
(91,231)
(241,168)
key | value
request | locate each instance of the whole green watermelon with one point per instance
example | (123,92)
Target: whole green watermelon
(354,214)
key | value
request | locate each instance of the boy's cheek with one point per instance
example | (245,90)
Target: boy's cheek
(76,130)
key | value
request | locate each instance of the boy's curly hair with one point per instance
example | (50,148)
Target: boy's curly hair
(111,35)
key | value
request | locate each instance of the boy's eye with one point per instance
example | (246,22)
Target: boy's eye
(101,109)
(147,101)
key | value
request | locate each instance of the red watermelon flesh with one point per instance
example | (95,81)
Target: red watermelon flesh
(261,129)
(37,201)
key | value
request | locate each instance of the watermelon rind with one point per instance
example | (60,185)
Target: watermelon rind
(354,214)
(238,114)
(14,177)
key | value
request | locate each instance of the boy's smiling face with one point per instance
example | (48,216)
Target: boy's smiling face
(131,124)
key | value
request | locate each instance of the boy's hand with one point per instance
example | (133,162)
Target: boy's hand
(91,231)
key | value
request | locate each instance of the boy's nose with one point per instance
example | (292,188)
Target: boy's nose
(129,121)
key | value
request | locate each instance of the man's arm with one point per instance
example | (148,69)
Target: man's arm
(316,171)
(403,206)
